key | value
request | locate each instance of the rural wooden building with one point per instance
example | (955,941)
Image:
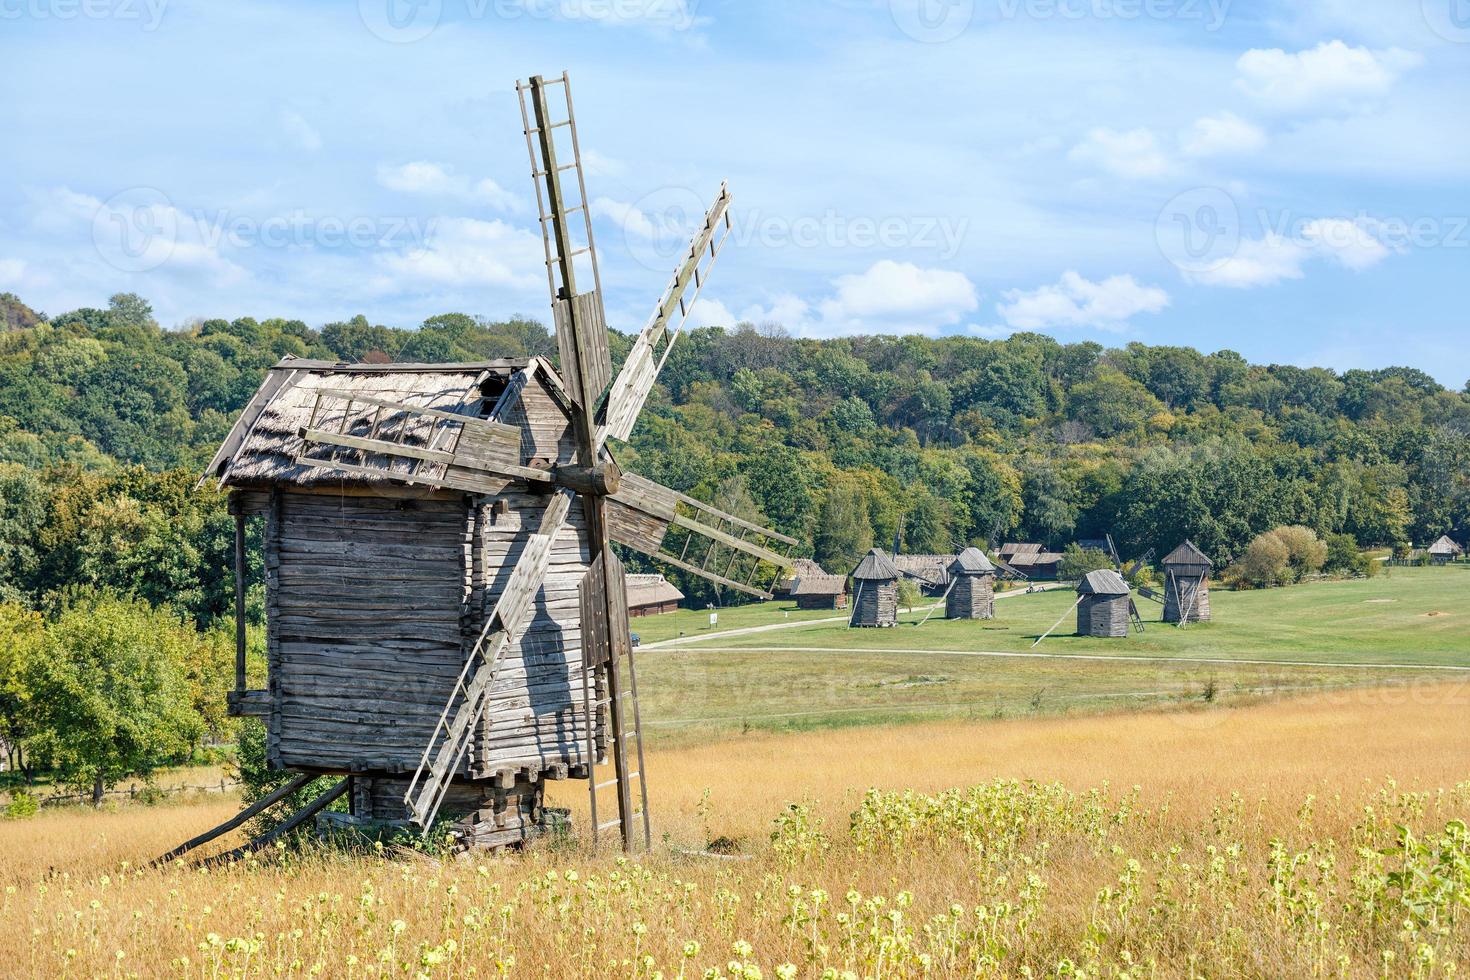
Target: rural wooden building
(931,572)
(1105,606)
(1187,585)
(802,566)
(820,591)
(972,588)
(376,592)
(1445,550)
(1031,560)
(875,591)
(649,595)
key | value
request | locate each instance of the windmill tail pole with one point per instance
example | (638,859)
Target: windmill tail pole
(942,602)
(1057,623)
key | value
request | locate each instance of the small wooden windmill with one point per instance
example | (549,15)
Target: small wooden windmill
(447,619)
(1187,585)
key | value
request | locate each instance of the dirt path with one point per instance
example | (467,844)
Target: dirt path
(746,631)
(1097,656)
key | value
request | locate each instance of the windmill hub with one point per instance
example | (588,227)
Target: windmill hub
(602,480)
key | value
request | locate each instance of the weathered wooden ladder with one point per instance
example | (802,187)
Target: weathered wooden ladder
(604,687)
(456,727)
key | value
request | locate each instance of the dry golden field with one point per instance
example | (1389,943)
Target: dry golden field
(1248,841)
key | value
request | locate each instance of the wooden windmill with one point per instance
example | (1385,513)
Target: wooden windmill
(1187,585)
(447,618)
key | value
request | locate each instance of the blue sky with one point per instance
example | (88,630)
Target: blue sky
(1284,178)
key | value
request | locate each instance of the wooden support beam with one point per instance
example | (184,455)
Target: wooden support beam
(296,820)
(239,602)
(253,810)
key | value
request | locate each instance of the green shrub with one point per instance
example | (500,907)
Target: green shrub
(21,806)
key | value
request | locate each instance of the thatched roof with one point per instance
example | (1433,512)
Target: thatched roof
(819,585)
(876,567)
(803,566)
(931,569)
(1105,582)
(1188,554)
(1446,547)
(971,561)
(651,590)
(1012,550)
(261,449)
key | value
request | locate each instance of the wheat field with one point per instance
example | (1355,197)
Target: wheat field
(1259,840)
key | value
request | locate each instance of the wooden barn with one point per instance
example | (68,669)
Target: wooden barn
(820,591)
(972,589)
(875,591)
(1187,585)
(1031,560)
(1105,605)
(649,595)
(802,566)
(1445,550)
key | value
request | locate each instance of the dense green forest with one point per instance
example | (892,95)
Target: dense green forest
(106,421)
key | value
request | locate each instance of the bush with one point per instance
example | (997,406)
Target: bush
(909,594)
(1266,562)
(21,806)
(1285,555)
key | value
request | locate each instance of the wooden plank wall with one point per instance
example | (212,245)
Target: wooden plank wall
(1179,591)
(972,597)
(535,718)
(1103,616)
(877,604)
(366,634)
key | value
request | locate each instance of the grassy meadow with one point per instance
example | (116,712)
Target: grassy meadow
(1408,625)
(1248,841)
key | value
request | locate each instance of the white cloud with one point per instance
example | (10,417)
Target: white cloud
(1078,302)
(599,165)
(12,272)
(631,219)
(1351,243)
(711,313)
(1275,258)
(902,289)
(435,180)
(890,297)
(467,252)
(1224,135)
(1135,153)
(1330,76)
(302,132)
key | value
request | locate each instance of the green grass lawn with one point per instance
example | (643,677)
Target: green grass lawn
(825,675)
(695,622)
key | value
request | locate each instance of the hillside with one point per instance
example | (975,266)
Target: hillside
(835,441)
